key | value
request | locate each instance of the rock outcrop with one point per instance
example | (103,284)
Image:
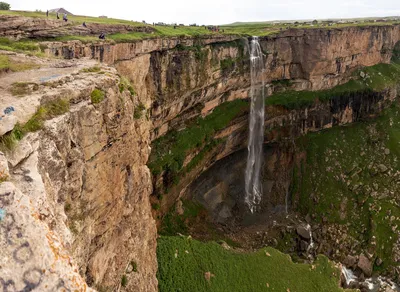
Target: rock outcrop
(76,196)
(18,27)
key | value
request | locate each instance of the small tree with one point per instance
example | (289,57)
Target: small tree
(4,6)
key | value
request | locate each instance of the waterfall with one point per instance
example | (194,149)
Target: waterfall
(348,275)
(256,126)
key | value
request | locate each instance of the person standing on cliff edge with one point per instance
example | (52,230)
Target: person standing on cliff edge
(47,13)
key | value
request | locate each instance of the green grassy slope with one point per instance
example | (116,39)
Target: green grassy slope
(351,178)
(169,151)
(183,263)
(377,78)
(71,18)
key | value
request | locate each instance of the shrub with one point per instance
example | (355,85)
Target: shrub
(4,6)
(94,69)
(67,207)
(156,206)
(227,64)
(23,88)
(121,87)
(137,114)
(4,63)
(9,141)
(35,123)
(134,266)
(97,96)
(3,178)
(125,84)
(131,90)
(124,281)
(56,108)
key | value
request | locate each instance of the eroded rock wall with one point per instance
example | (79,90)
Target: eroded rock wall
(76,200)
(185,77)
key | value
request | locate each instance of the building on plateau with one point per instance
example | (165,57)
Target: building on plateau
(60,11)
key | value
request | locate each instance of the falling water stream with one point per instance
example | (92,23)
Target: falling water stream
(256,126)
(374,284)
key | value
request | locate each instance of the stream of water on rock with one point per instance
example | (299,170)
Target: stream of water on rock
(374,284)
(253,184)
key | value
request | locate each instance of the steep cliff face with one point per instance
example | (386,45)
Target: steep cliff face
(82,180)
(305,60)
(179,73)
(321,59)
(84,186)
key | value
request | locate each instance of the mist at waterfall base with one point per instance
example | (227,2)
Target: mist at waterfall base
(253,183)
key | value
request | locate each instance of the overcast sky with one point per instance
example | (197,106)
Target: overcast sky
(217,11)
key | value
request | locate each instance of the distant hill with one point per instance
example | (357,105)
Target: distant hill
(308,20)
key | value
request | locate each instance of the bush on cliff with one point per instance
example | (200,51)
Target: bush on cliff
(45,112)
(97,96)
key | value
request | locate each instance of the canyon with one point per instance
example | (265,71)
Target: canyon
(108,139)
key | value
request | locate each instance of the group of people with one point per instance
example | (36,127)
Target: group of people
(213,28)
(102,36)
(65,16)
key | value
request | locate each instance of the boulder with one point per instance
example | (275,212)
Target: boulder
(21,152)
(179,208)
(382,168)
(350,261)
(7,123)
(365,265)
(303,231)
(378,261)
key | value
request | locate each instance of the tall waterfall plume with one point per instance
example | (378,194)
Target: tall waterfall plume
(253,184)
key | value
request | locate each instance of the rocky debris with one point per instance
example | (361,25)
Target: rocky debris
(365,265)
(179,208)
(225,245)
(304,231)
(382,168)
(350,262)
(303,246)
